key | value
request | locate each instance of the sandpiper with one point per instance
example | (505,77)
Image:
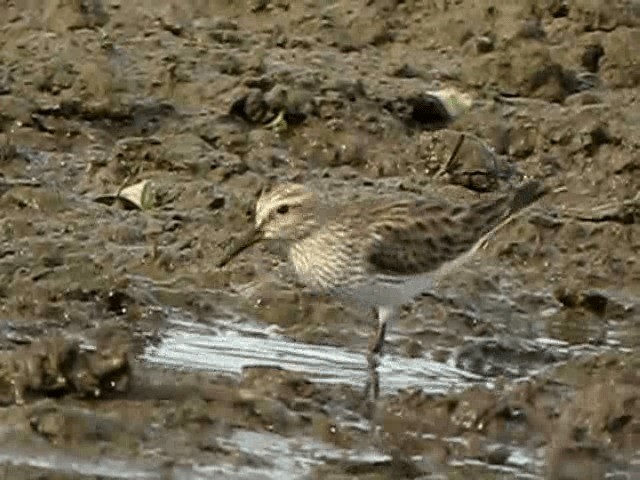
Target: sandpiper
(382,253)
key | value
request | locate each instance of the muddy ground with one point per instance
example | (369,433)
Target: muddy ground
(531,360)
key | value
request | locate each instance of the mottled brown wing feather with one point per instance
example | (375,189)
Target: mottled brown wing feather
(420,240)
(414,237)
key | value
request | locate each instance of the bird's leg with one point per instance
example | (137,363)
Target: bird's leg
(376,344)
(372,385)
(383,314)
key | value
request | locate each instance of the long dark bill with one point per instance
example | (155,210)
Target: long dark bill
(250,238)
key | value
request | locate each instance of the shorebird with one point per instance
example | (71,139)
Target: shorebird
(383,253)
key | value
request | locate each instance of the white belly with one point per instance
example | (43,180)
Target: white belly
(380,291)
(338,276)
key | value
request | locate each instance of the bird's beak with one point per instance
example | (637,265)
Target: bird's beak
(251,237)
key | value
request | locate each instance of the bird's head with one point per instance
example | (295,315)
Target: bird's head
(286,212)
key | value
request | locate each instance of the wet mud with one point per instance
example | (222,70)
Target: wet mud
(127,353)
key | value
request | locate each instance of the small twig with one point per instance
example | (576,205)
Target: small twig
(627,211)
(624,212)
(19,182)
(452,158)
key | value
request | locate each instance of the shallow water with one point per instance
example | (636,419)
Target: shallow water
(228,347)
(275,457)
(60,461)
(231,343)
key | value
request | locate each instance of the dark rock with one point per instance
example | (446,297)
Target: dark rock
(485,44)
(591,57)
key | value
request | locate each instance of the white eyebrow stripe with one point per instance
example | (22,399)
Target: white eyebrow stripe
(265,211)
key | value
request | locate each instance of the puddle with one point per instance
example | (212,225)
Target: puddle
(274,457)
(295,457)
(233,343)
(533,314)
(269,456)
(55,460)
(288,457)
(279,457)
(229,346)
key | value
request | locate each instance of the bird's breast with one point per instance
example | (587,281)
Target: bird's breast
(308,267)
(324,264)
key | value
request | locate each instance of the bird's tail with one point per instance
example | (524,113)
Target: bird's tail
(486,215)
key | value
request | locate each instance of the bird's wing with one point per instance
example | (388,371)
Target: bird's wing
(413,237)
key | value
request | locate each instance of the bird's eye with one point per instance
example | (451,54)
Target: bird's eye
(282,209)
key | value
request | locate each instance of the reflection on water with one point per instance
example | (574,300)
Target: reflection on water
(268,447)
(228,347)
(55,460)
(290,457)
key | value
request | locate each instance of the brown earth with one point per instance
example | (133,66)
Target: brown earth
(210,102)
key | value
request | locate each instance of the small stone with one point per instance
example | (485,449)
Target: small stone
(217,203)
(276,98)
(414,349)
(595,302)
(532,29)
(498,455)
(591,57)
(559,8)
(484,44)
(405,71)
